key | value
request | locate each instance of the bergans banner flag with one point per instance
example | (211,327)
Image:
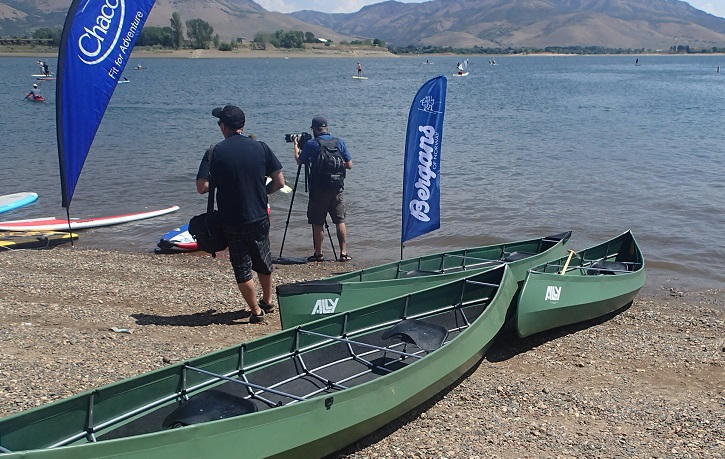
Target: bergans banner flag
(95,46)
(421,173)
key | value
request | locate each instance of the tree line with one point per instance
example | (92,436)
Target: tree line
(679,49)
(199,35)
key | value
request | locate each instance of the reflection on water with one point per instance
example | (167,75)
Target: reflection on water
(532,146)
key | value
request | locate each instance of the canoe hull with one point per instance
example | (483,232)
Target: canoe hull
(314,427)
(549,300)
(306,301)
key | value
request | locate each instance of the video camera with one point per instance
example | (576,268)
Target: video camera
(301,139)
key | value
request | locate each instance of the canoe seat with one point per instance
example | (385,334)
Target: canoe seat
(207,406)
(426,336)
(515,256)
(419,273)
(607,267)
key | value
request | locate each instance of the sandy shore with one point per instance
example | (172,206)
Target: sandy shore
(646,382)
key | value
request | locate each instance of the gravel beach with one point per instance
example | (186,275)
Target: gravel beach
(646,382)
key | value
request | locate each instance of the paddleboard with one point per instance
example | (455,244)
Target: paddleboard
(11,240)
(43,75)
(177,240)
(123,81)
(359,77)
(15,200)
(60,224)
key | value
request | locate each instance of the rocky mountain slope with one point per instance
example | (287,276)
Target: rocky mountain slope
(648,24)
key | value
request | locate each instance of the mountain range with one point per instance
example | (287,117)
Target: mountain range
(635,24)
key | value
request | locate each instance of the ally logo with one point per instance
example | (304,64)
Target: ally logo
(325,306)
(552,293)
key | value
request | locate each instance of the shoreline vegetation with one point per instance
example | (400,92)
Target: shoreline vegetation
(343,51)
(645,381)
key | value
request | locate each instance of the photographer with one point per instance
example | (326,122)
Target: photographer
(328,159)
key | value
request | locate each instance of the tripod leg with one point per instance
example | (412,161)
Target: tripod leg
(330,236)
(289,213)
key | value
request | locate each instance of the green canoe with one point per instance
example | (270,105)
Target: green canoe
(304,392)
(303,302)
(597,281)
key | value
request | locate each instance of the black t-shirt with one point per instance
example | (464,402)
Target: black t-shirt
(239,168)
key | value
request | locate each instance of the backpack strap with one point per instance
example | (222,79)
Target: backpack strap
(212,186)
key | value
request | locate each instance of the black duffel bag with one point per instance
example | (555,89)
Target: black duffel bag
(207,230)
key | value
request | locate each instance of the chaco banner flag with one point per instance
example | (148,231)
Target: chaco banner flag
(95,46)
(421,173)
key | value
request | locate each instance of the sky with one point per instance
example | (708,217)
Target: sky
(716,7)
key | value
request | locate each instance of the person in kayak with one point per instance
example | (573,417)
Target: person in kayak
(34,93)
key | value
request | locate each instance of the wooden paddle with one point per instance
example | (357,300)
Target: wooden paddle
(566,265)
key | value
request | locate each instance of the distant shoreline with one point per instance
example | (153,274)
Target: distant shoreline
(331,52)
(243,53)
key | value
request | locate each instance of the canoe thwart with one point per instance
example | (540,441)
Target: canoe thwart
(608,267)
(420,272)
(426,336)
(515,256)
(208,406)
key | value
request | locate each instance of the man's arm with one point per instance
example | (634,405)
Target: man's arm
(345,154)
(202,186)
(202,176)
(297,153)
(277,181)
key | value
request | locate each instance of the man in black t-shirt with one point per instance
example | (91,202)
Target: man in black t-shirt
(239,167)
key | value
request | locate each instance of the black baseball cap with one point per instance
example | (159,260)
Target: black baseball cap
(231,115)
(318,122)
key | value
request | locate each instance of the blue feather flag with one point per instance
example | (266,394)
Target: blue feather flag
(421,172)
(95,46)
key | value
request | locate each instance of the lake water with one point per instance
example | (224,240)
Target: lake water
(532,146)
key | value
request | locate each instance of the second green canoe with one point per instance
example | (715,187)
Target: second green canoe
(303,302)
(589,284)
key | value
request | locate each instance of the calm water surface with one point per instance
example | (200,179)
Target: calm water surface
(532,146)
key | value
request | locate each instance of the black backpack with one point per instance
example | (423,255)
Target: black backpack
(328,170)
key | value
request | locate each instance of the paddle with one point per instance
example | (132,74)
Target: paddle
(566,265)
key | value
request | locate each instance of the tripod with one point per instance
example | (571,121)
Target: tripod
(280,259)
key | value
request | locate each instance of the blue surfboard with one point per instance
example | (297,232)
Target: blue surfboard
(15,200)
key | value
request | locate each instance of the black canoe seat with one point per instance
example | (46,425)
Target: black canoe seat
(208,406)
(516,256)
(607,267)
(426,336)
